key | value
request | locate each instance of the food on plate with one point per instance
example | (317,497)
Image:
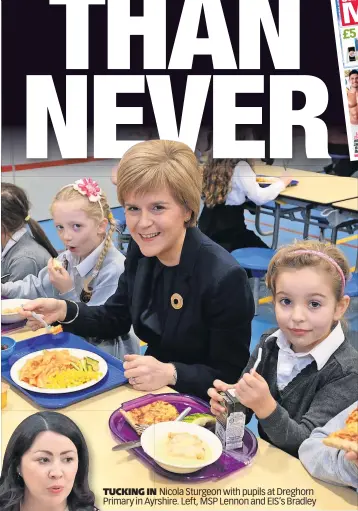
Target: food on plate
(57,265)
(346,438)
(56,330)
(201,419)
(59,369)
(158,411)
(16,310)
(4,346)
(182,448)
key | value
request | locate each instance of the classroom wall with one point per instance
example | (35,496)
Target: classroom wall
(42,183)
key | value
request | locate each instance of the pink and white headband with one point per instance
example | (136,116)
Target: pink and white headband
(89,188)
(326,258)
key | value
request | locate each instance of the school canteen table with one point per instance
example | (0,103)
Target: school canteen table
(348,205)
(271,468)
(312,186)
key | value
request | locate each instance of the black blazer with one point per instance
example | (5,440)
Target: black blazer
(208,338)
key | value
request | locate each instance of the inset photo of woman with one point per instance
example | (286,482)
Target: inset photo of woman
(45,466)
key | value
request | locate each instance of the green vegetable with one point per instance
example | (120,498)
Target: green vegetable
(201,419)
(75,366)
(91,364)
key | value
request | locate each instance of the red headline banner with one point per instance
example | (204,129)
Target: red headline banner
(349,12)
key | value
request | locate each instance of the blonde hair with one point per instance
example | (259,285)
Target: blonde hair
(155,164)
(286,257)
(97,211)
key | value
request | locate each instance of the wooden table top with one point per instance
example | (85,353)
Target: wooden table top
(273,474)
(312,186)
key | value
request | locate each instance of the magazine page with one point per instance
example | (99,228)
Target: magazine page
(346,21)
(179,212)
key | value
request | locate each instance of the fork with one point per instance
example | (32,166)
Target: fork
(40,319)
(140,428)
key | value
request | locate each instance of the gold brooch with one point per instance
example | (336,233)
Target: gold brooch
(177,301)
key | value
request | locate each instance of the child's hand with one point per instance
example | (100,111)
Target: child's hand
(216,399)
(352,456)
(253,392)
(59,278)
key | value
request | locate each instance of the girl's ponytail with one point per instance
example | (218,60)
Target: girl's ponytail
(15,213)
(40,236)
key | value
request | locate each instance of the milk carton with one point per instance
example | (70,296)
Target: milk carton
(230,425)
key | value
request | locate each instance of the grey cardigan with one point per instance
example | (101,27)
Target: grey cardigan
(104,284)
(327,463)
(310,400)
(26,257)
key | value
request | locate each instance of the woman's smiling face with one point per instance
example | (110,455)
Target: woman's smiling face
(157,223)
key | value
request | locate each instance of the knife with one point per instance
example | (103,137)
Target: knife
(137,443)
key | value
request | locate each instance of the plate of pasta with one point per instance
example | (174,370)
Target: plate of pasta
(10,310)
(58,370)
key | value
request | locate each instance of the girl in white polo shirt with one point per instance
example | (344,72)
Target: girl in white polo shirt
(308,371)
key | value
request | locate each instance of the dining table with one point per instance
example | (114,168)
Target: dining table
(119,480)
(313,187)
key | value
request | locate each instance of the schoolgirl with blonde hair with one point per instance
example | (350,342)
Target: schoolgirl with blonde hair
(89,269)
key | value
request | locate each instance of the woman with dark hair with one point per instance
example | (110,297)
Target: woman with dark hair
(227,185)
(46,466)
(22,253)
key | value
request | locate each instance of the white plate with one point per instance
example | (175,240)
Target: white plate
(12,304)
(14,371)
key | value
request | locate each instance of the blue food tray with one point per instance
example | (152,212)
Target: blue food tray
(294,182)
(114,377)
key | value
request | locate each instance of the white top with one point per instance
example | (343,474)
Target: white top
(14,239)
(290,364)
(244,186)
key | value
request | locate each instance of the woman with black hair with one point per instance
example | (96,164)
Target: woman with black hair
(46,466)
(22,253)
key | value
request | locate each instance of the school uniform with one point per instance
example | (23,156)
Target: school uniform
(225,223)
(103,285)
(196,315)
(323,462)
(22,255)
(310,388)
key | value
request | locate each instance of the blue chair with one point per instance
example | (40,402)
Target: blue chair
(255,259)
(123,235)
(352,286)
